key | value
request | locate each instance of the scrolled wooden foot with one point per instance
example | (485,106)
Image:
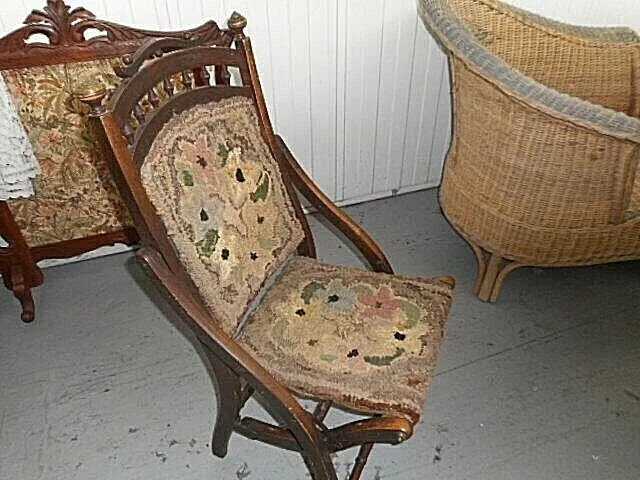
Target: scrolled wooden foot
(22,291)
(19,271)
(28,307)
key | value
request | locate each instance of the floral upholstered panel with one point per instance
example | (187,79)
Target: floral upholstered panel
(219,192)
(368,340)
(75,196)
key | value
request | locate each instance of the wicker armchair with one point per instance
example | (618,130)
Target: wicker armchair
(542,166)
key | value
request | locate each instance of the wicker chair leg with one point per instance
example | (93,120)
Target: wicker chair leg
(482,264)
(497,286)
(491,275)
(487,283)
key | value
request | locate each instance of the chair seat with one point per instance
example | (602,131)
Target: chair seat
(364,340)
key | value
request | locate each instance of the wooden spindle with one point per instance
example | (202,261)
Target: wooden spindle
(128,132)
(204,75)
(138,113)
(153,97)
(186,80)
(223,77)
(167,84)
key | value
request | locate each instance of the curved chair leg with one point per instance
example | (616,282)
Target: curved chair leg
(488,281)
(229,394)
(319,464)
(491,275)
(22,291)
(497,286)
(19,271)
(361,460)
(20,278)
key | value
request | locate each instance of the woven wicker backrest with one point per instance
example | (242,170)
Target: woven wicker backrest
(600,66)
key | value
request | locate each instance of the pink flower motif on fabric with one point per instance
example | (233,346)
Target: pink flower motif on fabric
(383,304)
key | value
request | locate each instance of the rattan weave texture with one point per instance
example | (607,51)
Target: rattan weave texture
(546,138)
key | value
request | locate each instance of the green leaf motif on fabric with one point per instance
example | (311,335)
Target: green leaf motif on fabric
(187,178)
(87,136)
(262,190)
(267,243)
(310,289)
(412,312)
(281,335)
(383,360)
(339,295)
(328,357)
(207,245)
(223,153)
(361,288)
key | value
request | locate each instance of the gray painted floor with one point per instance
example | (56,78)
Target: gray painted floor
(544,385)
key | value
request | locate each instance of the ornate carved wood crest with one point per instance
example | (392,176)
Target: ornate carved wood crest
(66,32)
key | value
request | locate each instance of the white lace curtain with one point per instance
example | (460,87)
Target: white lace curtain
(18,165)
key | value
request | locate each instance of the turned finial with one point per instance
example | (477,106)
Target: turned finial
(92,93)
(236,23)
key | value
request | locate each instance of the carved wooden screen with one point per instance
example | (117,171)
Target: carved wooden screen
(76,207)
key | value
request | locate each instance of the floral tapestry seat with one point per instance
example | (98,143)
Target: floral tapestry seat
(370,339)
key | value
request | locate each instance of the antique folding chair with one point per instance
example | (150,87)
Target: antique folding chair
(212,191)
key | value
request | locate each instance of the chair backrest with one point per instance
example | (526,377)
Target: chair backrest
(197,157)
(600,65)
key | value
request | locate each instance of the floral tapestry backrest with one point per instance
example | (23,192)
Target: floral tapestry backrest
(220,195)
(75,196)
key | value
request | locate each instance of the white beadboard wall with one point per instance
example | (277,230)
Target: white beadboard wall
(357,88)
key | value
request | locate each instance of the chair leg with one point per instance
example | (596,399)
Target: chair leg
(361,460)
(487,283)
(20,283)
(19,271)
(230,400)
(506,270)
(491,275)
(319,464)
(23,293)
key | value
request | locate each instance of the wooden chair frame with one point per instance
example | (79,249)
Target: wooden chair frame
(237,374)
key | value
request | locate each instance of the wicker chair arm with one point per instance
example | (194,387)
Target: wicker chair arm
(459,42)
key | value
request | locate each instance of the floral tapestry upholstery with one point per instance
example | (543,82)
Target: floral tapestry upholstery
(369,339)
(218,190)
(75,196)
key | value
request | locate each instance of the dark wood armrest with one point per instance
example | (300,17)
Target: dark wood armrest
(343,222)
